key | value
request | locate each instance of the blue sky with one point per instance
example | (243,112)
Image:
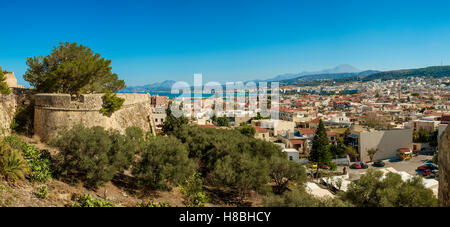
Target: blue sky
(150,41)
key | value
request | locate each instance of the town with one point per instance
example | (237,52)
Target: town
(392,125)
(224,106)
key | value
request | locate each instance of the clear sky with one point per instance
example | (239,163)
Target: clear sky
(150,41)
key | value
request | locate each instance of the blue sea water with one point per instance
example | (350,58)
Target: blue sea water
(192,95)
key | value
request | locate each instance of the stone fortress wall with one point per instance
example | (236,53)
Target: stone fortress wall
(11,80)
(8,107)
(54,112)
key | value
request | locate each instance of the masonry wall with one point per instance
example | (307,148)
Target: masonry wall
(8,107)
(387,143)
(54,112)
(444,168)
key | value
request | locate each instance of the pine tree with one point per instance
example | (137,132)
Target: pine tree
(73,69)
(319,152)
(4,88)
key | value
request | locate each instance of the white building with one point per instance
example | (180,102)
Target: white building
(293,154)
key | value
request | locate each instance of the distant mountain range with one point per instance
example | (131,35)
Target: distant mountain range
(339,74)
(159,86)
(338,69)
(327,76)
(432,71)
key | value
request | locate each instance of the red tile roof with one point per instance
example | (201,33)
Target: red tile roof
(295,141)
(316,120)
(260,130)
(307,131)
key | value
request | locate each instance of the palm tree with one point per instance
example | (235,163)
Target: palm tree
(12,165)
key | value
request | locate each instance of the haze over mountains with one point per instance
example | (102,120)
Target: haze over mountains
(333,72)
(339,74)
(345,68)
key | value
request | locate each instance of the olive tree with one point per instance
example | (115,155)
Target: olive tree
(163,162)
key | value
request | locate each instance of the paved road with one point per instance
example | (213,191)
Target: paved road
(407,166)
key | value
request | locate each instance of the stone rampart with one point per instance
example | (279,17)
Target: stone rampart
(54,112)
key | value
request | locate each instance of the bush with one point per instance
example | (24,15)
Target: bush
(192,190)
(87,201)
(283,171)
(240,173)
(231,161)
(247,130)
(39,161)
(373,191)
(12,165)
(153,204)
(42,192)
(23,120)
(111,103)
(93,155)
(163,162)
(300,198)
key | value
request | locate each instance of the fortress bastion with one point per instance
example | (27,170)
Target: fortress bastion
(54,112)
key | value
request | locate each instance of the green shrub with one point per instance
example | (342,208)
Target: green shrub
(371,190)
(111,103)
(192,190)
(39,161)
(229,160)
(12,165)
(283,171)
(300,198)
(92,155)
(240,173)
(163,162)
(23,121)
(42,192)
(153,204)
(246,129)
(86,200)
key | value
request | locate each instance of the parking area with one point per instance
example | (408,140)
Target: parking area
(409,166)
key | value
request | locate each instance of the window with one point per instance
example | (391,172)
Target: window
(290,158)
(156,119)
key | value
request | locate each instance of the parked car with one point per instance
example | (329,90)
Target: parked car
(427,151)
(426,172)
(314,166)
(428,166)
(429,172)
(359,165)
(378,164)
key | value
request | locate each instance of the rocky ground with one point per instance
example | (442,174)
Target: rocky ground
(24,194)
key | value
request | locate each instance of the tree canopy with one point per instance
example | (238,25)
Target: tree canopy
(320,153)
(371,190)
(4,88)
(73,69)
(172,123)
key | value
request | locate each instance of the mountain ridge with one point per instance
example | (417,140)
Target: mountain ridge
(302,79)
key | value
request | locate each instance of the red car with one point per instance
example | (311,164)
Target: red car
(359,165)
(426,172)
(425,167)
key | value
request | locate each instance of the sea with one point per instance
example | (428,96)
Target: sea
(204,95)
